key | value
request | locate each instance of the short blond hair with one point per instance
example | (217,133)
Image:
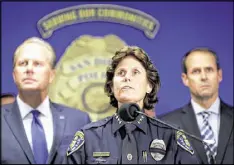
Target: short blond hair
(38,41)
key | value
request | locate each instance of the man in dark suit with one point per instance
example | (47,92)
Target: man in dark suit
(206,115)
(34,129)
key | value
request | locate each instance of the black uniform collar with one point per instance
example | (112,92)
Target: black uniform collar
(140,122)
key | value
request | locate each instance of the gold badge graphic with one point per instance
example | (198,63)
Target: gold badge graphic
(81,74)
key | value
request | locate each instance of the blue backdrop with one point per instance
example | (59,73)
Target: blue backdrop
(183,25)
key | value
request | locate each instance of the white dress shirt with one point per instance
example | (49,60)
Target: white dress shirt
(45,117)
(214,118)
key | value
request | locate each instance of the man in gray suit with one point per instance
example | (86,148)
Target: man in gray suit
(34,129)
(206,115)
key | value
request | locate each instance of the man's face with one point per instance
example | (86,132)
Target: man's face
(32,71)
(130,82)
(202,76)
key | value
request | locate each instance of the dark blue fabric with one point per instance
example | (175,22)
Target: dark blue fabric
(129,146)
(108,135)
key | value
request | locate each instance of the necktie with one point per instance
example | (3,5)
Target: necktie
(38,140)
(208,134)
(129,146)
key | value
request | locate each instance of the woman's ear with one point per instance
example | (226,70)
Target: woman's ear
(149,88)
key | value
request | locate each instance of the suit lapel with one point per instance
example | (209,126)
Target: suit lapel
(225,131)
(190,124)
(59,125)
(13,118)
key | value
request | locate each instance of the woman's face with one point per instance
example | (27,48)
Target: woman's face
(130,83)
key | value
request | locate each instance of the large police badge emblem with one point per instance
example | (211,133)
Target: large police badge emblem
(81,73)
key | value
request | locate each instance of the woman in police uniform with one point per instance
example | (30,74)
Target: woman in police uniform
(130,78)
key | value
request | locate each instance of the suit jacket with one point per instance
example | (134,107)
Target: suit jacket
(185,118)
(15,146)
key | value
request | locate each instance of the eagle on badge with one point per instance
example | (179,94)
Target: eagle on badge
(183,142)
(76,143)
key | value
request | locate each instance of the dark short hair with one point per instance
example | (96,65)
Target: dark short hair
(152,75)
(206,50)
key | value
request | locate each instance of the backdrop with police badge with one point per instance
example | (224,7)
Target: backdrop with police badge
(86,35)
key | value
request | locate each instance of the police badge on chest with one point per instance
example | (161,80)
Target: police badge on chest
(157,149)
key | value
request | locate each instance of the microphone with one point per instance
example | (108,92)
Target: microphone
(129,112)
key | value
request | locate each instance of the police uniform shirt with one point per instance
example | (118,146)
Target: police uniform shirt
(101,142)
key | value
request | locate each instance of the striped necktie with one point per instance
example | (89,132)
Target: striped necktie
(207,134)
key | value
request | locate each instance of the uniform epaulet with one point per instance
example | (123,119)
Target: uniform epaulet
(97,123)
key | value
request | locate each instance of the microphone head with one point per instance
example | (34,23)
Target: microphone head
(128,111)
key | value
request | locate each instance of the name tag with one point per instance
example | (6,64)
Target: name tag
(101,154)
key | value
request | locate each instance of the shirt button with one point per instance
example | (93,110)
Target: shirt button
(129,157)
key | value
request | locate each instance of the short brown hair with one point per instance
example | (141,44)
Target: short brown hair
(206,50)
(152,75)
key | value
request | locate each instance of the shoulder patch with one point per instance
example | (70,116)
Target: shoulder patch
(183,142)
(76,143)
